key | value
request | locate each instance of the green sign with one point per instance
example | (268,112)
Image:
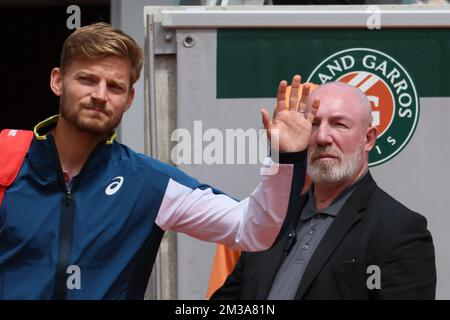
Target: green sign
(391,92)
(393,67)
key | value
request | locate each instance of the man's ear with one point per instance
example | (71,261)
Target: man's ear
(129,99)
(56,81)
(371,138)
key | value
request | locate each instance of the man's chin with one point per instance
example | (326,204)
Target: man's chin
(325,171)
(96,129)
(329,178)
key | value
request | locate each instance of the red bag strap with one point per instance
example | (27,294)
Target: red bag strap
(14,145)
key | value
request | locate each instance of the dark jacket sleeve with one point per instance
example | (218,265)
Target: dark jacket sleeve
(408,268)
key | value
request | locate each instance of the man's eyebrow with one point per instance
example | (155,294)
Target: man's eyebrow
(341,117)
(109,81)
(84,72)
(117,82)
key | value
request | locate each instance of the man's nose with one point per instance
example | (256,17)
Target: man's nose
(100,94)
(323,135)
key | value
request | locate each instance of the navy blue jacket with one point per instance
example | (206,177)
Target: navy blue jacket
(103,224)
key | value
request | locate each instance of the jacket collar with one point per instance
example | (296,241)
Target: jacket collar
(44,158)
(42,129)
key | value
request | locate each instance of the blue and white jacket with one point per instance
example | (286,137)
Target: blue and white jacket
(106,226)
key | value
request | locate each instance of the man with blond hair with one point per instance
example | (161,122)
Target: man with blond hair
(85,215)
(346,238)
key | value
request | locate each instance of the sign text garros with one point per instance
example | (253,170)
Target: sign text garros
(389,88)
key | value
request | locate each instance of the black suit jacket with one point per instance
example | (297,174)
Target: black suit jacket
(372,228)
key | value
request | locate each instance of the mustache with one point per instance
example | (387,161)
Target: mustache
(326,150)
(98,106)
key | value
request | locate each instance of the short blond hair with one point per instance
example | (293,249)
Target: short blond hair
(99,40)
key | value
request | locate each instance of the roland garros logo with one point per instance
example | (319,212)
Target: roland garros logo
(389,88)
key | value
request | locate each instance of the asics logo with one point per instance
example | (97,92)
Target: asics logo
(114,186)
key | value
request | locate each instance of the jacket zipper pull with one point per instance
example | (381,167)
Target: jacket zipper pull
(68,197)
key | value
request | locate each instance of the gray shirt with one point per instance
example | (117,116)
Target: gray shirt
(310,230)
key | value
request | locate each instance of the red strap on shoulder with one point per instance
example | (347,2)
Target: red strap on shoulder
(14,145)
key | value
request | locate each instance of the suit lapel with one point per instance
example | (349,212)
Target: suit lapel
(346,218)
(271,261)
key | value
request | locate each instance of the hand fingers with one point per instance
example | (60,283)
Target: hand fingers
(304,98)
(281,97)
(312,113)
(293,97)
(267,122)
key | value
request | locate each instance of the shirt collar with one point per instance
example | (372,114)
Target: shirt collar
(332,210)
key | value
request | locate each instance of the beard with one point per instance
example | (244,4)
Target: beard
(336,170)
(97,124)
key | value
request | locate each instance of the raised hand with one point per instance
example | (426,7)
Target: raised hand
(290,127)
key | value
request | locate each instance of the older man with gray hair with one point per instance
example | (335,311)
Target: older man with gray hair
(346,238)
